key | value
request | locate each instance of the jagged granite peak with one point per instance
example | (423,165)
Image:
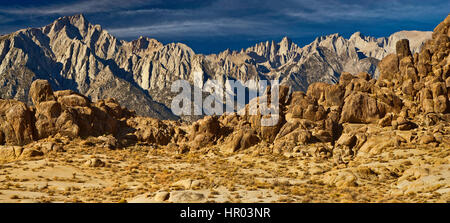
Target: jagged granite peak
(416,40)
(276,54)
(72,54)
(142,46)
(357,36)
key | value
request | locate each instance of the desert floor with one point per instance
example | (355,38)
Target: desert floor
(86,172)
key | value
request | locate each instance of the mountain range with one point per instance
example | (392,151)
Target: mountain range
(72,53)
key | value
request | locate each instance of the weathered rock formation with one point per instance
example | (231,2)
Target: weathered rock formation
(16,123)
(64,113)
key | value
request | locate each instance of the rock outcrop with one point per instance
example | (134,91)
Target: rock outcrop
(63,113)
(73,115)
(16,123)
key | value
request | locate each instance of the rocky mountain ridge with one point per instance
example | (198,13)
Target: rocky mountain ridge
(73,54)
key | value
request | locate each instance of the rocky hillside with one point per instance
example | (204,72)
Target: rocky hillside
(73,54)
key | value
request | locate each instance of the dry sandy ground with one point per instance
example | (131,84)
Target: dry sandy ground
(87,173)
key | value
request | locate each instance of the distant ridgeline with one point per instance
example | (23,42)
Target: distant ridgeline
(73,54)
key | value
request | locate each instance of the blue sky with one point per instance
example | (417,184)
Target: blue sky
(211,26)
